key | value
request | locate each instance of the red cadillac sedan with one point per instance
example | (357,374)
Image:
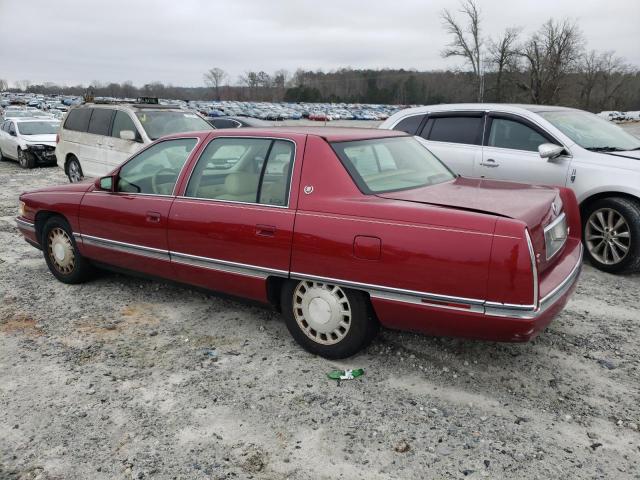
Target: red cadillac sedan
(342,229)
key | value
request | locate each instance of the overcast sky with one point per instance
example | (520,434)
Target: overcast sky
(78,41)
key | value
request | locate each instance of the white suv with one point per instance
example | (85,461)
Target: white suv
(545,145)
(96,138)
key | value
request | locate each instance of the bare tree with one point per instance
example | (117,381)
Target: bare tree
(214,78)
(613,72)
(3,85)
(590,68)
(466,41)
(551,54)
(23,84)
(504,56)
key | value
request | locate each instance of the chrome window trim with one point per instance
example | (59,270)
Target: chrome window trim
(146,147)
(293,165)
(558,219)
(215,200)
(25,225)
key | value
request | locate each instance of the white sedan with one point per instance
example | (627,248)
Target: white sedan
(541,144)
(30,141)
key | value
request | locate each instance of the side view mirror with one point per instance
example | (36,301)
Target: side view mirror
(550,150)
(128,135)
(104,183)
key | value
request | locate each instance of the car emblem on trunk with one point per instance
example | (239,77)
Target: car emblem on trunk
(308,189)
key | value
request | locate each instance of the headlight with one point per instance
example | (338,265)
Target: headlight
(21,209)
(555,235)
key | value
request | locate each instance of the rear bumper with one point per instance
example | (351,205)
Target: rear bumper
(489,321)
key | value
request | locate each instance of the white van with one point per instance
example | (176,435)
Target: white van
(96,138)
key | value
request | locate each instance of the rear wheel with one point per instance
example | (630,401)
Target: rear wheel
(25,159)
(611,233)
(74,170)
(326,319)
(61,252)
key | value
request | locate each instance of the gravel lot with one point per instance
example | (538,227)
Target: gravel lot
(129,378)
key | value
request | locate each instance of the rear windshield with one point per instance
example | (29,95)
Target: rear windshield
(391,164)
(38,128)
(160,123)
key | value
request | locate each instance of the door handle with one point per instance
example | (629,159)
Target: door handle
(265,230)
(491,163)
(153,217)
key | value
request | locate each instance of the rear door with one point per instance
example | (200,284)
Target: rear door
(511,153)
(127,227)
(98,131)
(455,138)
(232,225)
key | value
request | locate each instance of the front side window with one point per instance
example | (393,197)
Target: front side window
(122,122)
(158,123)
(249,170)
(390,164)
(514,135)
(455,129)
(590,131)
(155,171)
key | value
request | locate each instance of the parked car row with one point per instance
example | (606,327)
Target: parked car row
(545,145)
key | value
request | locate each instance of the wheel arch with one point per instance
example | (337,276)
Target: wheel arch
(587,202)
(41,218)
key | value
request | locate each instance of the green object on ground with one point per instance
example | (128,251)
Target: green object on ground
(345,374)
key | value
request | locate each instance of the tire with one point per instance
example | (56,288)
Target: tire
(25,159)
(343,324)
(74,170)
(61,252)
(611,234)
(2,157)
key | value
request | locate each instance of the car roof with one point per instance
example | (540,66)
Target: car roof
(514,107)
(330,134)
(36,119)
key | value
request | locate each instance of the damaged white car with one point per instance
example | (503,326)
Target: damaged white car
(30,141)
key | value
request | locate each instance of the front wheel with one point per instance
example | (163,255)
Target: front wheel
(25,159)
(326,319)
(74,170)
(61,252)
(611,233)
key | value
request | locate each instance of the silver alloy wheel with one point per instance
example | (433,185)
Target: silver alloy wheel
(322,311)
(22,159)
(75,174)
(608,236)
(60,250)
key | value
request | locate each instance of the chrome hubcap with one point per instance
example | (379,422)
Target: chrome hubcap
(322,311)
(61,251)
(74,172)
(608,236)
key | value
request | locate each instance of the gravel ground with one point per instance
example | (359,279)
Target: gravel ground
(127,378)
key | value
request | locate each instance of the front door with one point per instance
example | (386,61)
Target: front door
(118,149)
(127,227)
(511,153)
(232,226)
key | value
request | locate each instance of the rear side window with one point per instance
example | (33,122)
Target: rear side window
(457,129)
(225,123)
(123,122)
(409,124)
(514,135)
(100,123)
(78,119)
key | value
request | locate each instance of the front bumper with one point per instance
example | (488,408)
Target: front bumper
(28,230)
(43,154)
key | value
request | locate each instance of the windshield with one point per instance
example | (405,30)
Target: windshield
(390,164)
(590,131)
(160,123)
(38,128)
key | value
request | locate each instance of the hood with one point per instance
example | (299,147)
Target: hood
(528,203)
(46,139)
(79,187)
